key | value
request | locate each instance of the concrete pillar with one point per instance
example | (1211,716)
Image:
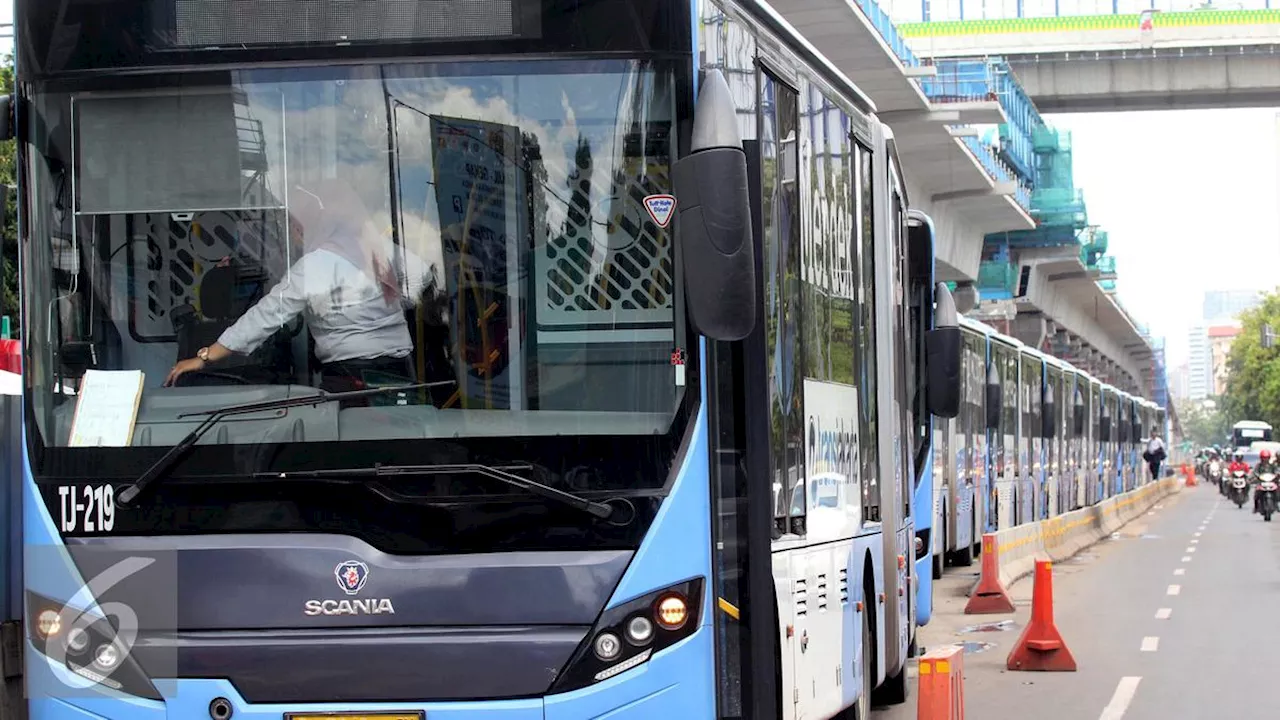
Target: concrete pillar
(1061,345)
(1030,329)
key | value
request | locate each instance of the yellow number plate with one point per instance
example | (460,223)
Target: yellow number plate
(411,715)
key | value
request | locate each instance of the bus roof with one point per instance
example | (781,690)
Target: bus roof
(985,329)
(1251,424)
(764,11)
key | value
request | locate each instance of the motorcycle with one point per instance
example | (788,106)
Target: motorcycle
(1214,472)
(1239,491)
(1266,495)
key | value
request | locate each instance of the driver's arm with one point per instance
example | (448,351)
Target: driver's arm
(282,304)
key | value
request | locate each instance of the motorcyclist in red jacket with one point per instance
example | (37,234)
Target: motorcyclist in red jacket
(1238,463)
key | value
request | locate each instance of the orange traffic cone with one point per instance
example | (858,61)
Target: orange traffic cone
(1041,646)
(989,597)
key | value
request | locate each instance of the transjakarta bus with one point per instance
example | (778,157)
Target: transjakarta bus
(1087,456)
(641,444)
(1247,432)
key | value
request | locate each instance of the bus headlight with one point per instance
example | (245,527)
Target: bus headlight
(48,624)
(649,623)
(64,635)
(639,630)
(608,647)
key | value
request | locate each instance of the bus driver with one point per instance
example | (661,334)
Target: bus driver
(346,283)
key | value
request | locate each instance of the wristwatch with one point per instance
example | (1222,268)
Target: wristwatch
(203,354)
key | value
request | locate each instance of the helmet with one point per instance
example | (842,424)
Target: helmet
(1264,455)
(1239,457)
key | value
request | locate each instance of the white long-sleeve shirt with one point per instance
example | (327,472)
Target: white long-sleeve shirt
(1154,443)
(346,311)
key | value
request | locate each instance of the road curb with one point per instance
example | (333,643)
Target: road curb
(1060,538)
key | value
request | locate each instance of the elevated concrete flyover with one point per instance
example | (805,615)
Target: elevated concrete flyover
(1152,80)
(1161,61)
(1064,311)
(949,175)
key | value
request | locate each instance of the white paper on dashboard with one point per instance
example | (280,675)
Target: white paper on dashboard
(107,408)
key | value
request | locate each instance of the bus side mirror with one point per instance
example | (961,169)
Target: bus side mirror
(6,114)
(995,396)
(942,348)
(1048,416)
(713,228)
(1077,414)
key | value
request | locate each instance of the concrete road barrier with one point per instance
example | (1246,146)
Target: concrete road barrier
(1060,538)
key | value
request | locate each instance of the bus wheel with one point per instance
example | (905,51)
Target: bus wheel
(894,689)
(940,557)
(861,709)
(964,556)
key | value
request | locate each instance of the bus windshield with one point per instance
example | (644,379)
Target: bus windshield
(1246,433)
(481,226)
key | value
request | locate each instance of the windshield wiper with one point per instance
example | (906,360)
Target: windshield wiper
(167,461)
(600,510)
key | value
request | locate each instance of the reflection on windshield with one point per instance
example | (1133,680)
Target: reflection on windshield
(475,226)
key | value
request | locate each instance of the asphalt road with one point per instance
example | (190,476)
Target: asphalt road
(1175,617)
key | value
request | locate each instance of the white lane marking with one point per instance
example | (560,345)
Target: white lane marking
(1197,534)
(1164,613)
(1175,589)
(1180,571)
(1195,541)
(1191,549)
(1186,558)
(1120,700)
(1150,644)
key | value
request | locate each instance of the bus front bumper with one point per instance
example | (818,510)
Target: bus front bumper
(678,682)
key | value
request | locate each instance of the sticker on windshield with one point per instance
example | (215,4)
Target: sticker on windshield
(87,508)
(661,208)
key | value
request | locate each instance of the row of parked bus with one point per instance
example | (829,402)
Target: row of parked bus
(1035,437)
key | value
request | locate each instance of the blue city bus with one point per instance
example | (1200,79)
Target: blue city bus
(925,452)
(588,471)
(982,485)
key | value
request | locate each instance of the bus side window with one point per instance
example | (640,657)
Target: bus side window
(779,153)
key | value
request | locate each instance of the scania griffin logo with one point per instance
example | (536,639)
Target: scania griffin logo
(351,576)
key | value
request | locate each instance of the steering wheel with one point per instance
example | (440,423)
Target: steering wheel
(185,379)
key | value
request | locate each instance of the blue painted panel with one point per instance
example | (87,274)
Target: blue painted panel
(678,682)
(923,512)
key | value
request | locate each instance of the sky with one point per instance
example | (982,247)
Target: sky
(1189,201)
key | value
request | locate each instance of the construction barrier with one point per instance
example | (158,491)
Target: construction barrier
(1041,646)
(941,692)
(1061,537)
(990,596)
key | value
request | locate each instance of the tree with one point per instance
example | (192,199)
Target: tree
(9,230)
(1253,380)
(1204,424)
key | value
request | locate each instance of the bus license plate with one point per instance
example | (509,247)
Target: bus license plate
(407,715)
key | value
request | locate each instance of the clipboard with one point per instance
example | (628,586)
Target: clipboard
(106,399)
